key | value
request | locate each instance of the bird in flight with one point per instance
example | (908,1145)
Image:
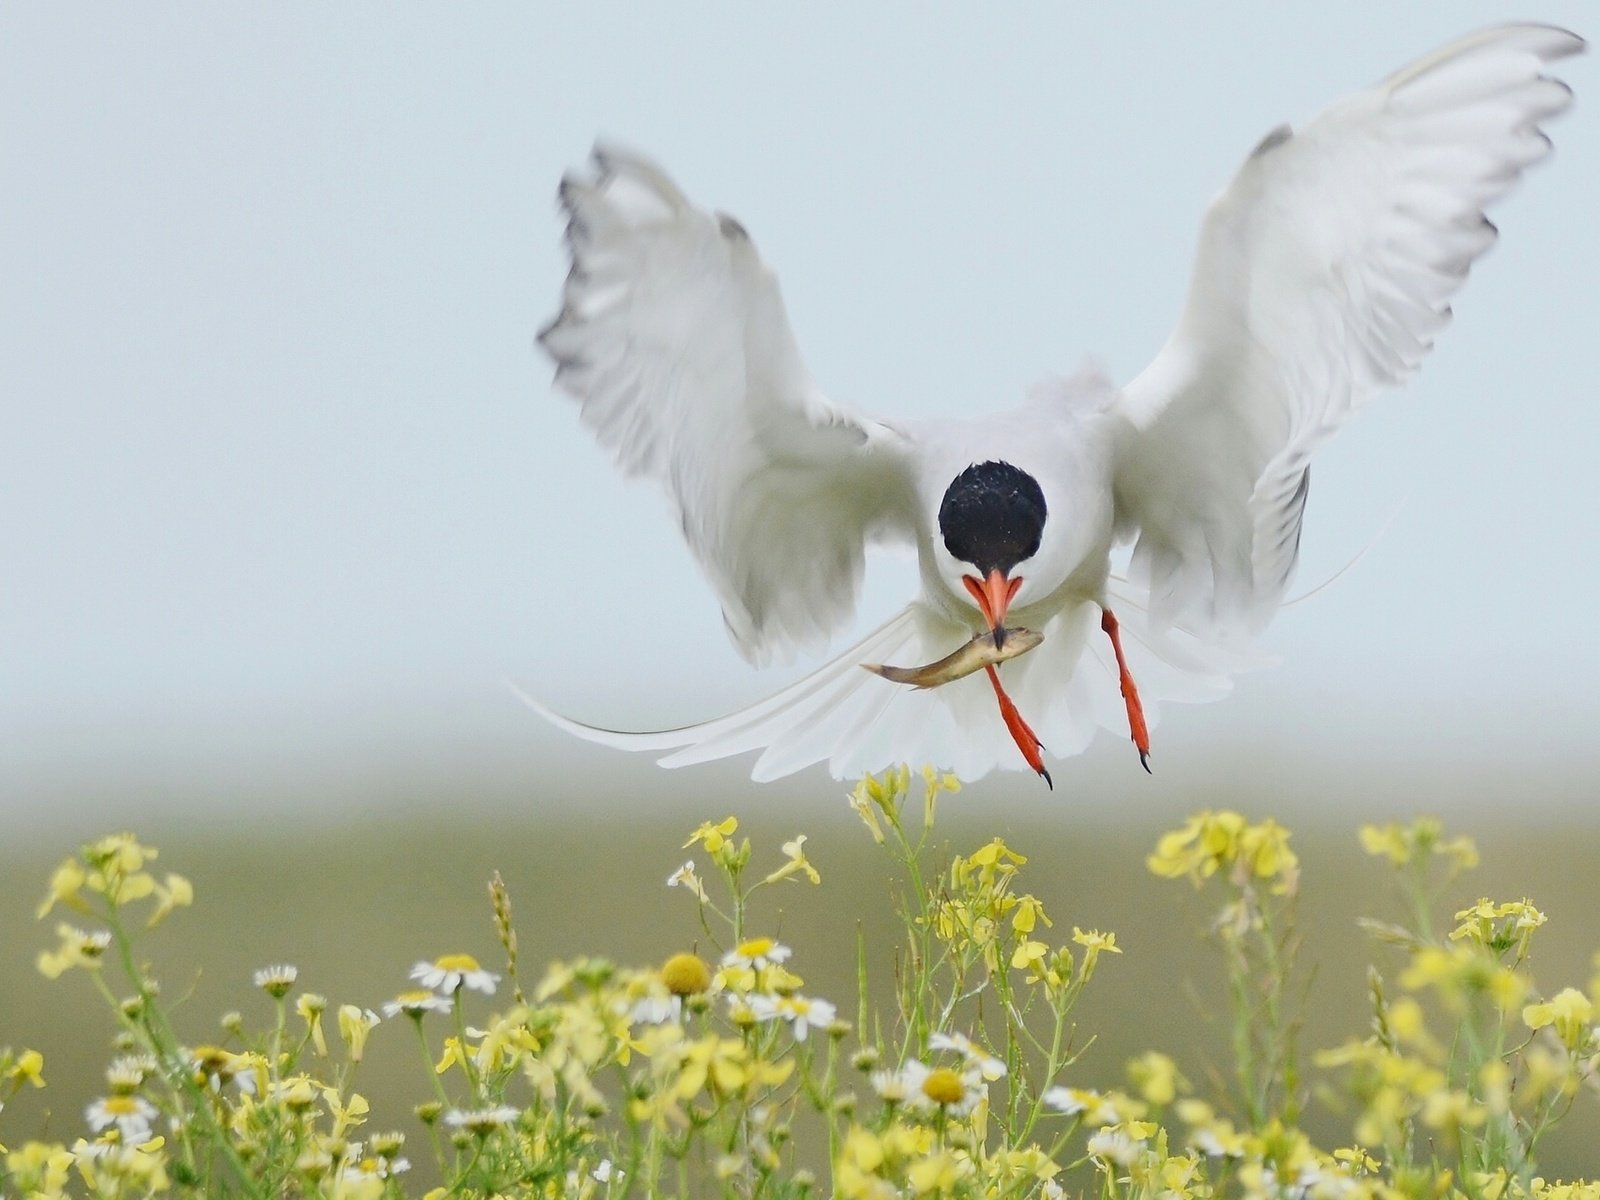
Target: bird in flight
(1324,270)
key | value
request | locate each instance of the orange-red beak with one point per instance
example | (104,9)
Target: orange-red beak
(994,597)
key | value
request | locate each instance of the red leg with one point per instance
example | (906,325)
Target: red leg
(1027,741)
(1130,693)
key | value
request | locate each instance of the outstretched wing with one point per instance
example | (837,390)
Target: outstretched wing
(1323,273)
(673,336)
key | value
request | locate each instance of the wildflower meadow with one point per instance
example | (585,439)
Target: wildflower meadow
(954,1067)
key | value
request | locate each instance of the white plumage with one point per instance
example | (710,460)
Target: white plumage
(1324,271)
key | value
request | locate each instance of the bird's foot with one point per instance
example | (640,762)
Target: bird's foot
(1021,732)
(1130,692)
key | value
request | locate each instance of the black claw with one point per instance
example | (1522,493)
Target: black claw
(1048,782)
(1144,761)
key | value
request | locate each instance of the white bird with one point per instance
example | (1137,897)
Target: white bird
(1325,269)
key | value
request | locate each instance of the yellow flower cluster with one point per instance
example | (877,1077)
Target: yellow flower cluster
(113,868)
(884,796)
(979,914)
(1499,927)
(1212,842)
(1415,845)
(693,1078)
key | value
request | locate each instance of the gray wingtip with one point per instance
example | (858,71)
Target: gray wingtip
(1275,137)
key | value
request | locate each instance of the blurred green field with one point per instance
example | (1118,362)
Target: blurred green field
(353,904)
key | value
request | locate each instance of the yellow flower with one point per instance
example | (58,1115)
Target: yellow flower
(1569,1012)
(1357,1159)
(686,878)
(1264,852)
(725,1067)
(1450,1110)
(1029,911)
(66,886)
(345,1114)
(1386,841)
(113,1169)
(686,974)
(1499,927)
(310,1007)
(1208,840)
(1403,845)
(1156,1076)
(934,782)
(856,1170)
(861,802)
(39,1168)
(795,852)
(888,790)
(355,1023)
(1460,971)
(986,863)
(939,1173)
(116,868)
(1030,956)
(713,836)
(77,949)
(1094,943)
(28,1068)
(176,892)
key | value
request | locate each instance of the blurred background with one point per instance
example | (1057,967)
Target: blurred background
(286,497)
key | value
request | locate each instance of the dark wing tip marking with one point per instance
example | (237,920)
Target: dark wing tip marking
(1275,137)
(731,229)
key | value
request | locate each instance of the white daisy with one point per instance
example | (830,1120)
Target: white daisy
(990,1067)
(656,1008)
(757,953)
(452,971)
(1113,1145)
(1096,1109)
(802,1012)
(276,980)
(481,1121)
(893,1086)
(130,1114)
(414,1004)
(919,1086)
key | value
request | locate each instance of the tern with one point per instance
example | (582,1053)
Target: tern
(1325,269)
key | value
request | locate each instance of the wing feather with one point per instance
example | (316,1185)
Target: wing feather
(1325,270)
(858,722)
(674,339)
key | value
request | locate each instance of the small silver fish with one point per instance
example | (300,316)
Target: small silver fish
(973,656)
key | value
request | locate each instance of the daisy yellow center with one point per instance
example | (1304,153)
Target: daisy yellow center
(457,962)
(685,975)
(121,1106)
(756,948)
(943,1086)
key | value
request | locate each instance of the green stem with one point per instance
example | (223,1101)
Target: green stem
(161,1042)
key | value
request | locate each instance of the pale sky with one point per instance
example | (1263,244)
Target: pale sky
(286,495)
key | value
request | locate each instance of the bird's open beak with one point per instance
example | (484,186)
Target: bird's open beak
(994,597)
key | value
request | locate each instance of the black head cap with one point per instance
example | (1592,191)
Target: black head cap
(992,516)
